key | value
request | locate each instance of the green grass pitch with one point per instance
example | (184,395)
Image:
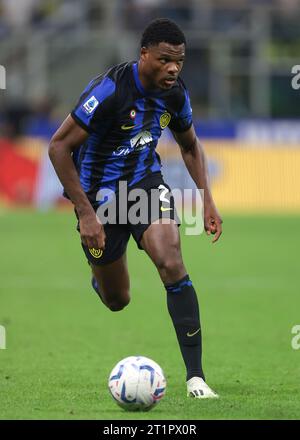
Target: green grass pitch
(62,343)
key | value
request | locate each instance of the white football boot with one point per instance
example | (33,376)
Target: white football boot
(197,388)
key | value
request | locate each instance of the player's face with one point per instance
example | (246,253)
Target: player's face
(162,64)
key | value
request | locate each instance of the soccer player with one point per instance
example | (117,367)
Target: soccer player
(110,137)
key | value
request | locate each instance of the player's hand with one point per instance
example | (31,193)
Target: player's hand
(92,231)
(212,221)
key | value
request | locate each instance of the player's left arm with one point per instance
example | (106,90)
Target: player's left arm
(195,161)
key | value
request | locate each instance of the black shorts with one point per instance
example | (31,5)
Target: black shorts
(160,204)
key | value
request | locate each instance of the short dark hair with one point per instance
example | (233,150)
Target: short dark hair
(162,30)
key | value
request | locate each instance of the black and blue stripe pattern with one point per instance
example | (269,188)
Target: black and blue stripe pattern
(179,285)
(124,122)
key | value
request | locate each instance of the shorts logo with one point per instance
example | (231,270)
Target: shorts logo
(96,253)
(90,105)
(164,120)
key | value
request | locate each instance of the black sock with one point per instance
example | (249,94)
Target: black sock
(184,310)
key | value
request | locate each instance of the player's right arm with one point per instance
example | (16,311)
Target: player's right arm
(66,139)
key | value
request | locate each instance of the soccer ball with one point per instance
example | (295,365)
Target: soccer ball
(137,383)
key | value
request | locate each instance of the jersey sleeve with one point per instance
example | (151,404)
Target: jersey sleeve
(95,104)
(182,120)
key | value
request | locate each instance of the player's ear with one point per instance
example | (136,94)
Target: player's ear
(144,53)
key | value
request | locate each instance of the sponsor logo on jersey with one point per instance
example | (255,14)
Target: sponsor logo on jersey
(164,120)
(96,253)
(137,143)
(141,140)
(90,105)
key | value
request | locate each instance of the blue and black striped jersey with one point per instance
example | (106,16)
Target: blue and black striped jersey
(124,122)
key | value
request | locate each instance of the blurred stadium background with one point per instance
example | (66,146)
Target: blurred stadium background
(238,70)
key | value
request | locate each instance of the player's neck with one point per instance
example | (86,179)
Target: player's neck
(146,82)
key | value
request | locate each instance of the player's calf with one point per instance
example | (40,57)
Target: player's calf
(115,302)
(183,307)
(117,305)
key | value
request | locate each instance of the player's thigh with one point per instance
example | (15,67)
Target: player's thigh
(113,278)
(110,268)
(161,241)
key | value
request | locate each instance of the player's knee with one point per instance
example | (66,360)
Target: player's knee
(170,266)
(117,305)
(167,256)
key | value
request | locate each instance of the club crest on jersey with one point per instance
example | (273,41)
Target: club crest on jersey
(164,120)
(90,105)
(96,253)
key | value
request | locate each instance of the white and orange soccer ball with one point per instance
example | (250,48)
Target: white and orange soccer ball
(137,383)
